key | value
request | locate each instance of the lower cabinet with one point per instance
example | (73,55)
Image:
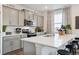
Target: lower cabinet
(10,44)
(16,44)
(22,43)
(29,48)
(6,46)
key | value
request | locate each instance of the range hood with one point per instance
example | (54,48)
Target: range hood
(27,22)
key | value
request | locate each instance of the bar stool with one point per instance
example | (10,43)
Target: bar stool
(75,46)
(71,48)
(63,52)
(77,39)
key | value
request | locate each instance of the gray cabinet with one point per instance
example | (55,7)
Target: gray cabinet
(13,17)
(40,21)
(16,44)
(10,16)
(29,48)
(10,44)
(6,14)
(23,36)
(21,18)
(6,45)
(35,20)
(28,15)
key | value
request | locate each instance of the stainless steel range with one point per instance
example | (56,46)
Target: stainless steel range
(29,33)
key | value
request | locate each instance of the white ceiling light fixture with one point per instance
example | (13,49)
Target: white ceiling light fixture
(46,7)
(43,7)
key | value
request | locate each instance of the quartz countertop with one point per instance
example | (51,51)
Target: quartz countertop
(13,34)
(50,40)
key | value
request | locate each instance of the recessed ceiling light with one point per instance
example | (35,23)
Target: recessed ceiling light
(46,7)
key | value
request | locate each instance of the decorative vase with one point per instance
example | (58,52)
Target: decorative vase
(61,32)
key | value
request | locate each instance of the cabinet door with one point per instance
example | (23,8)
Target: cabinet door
(21,18)
(6,45)
(10,16)
(23,36)
(27,15)
(31,16)
(29,48)
(13,17)
(16,43)
(39,21)
(6,13)
(35,20)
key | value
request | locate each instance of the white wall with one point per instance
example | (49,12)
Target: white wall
(45,21)
(48,22)
(74,12)
(50,25)
(0,29)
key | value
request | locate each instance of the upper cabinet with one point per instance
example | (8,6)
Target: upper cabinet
(21,18)
(16,17)
(40,21)
(35,20)
(6,16)
(13,17)
(28,15)
(10,16)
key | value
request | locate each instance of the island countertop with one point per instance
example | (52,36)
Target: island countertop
(50,40)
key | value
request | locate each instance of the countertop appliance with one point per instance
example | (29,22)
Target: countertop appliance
(8,33)
(18,30)
(25,30)
(28,23)
(29,33)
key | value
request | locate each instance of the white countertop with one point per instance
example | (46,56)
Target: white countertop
(13,34)
(53,41)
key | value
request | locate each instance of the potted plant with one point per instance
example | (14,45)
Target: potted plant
(68,28)
(61,31)
(4,28)
(39,30)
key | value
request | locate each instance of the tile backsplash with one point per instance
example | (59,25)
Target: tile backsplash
(12,28)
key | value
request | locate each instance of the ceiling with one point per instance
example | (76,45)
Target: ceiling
(43,7)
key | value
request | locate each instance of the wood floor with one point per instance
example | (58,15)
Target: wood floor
(21,52)
(16,52)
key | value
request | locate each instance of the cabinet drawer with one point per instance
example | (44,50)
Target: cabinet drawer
(10,44)
(7,38)
(24,36)
(16,44)
(6,46)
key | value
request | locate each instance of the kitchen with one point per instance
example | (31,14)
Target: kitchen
(29,31)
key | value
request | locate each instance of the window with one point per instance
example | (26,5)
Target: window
(57,20)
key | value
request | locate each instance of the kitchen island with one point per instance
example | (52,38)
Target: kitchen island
(46,44)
